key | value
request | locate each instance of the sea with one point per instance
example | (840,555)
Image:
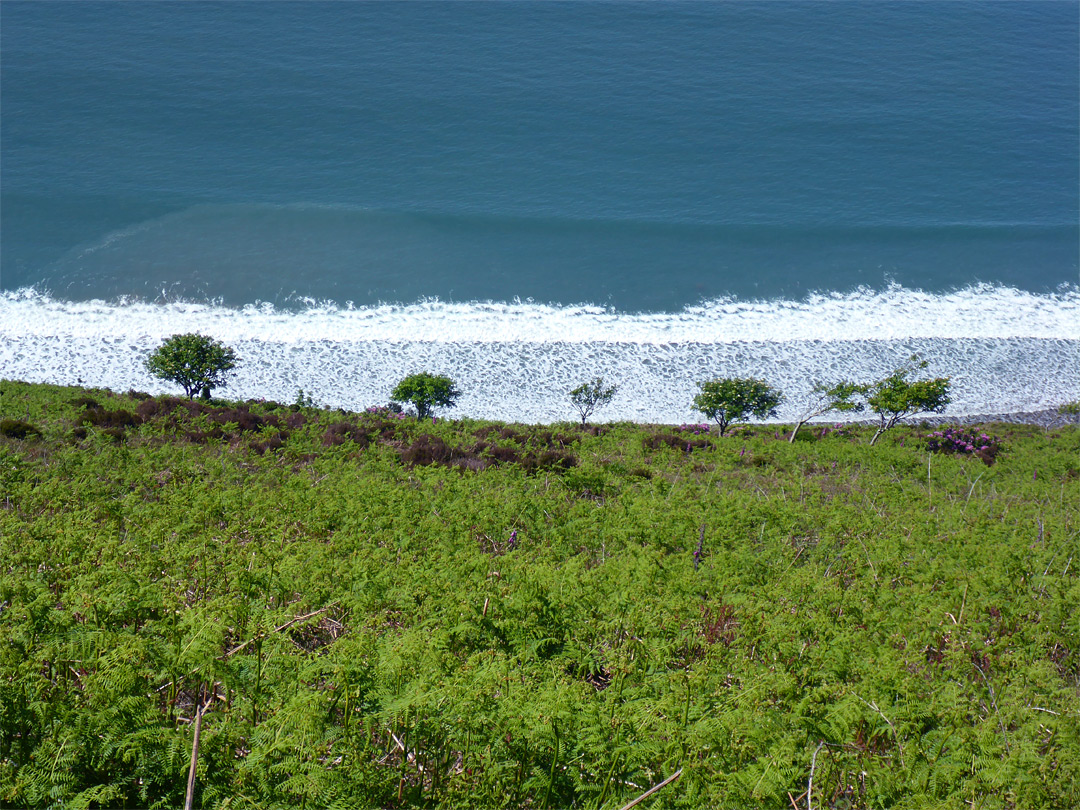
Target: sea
(528,195)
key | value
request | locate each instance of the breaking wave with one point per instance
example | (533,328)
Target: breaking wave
(1005,349)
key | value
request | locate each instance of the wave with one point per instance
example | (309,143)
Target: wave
(1005,349)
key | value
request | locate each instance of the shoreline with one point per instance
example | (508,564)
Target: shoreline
(1047,418)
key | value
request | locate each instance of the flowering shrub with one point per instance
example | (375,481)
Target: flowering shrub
(386,412)
(965,442)
(697,430)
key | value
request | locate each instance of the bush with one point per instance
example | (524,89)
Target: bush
(589,396)
(195,362)
(15,429)
(426,392)
(957,441)
(734,399)
(99,417)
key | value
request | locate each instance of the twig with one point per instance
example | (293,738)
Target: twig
(285,626)
(1048,711)
(189,797)
(797,555)
(652,790)
(929,483)
(968,498)
(810,781)
(868,560)
(993,700)
(873,705)
(700,551)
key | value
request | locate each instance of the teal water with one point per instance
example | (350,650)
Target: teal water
(661,161)
(643,156)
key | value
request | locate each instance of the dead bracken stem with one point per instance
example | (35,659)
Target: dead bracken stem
(810,781)
(652,790)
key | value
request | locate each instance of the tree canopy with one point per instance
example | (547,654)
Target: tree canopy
(426,392)
(195,362)
(734,399)
(589,396)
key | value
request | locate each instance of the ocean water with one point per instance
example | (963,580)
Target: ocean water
(525,195)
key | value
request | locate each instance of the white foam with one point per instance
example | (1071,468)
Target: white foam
(1004,349)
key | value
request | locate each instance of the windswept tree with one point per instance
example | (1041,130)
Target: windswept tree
(893,397)
(735,399)
(841,398)
(589,396)
(426,392)
(195,362)
(898,396)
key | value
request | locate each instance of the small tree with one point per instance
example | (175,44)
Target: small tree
(1071,410)
(589,396)
(734,399)
(839,397)
(195,362)
(426,392)
(898,396)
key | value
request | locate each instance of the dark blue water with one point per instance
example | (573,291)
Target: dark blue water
(643,156)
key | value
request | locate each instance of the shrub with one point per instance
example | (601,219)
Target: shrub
(589,396)
(99,417)
(244,419)
(195,362)
(85,402)
(427,450)
(957,441)
(734,399)
(697,430)
(548,460)
(15,429)
(426,392)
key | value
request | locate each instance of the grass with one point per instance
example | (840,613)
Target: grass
(385,612)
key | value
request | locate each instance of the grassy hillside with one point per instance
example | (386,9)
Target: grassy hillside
(381,612)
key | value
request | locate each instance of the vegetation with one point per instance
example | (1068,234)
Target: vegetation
(1071,409)
(896,396)
(16,429)
(589,396)
(828,399)
(384,612)
(426,392)
(734,399)
(195,362)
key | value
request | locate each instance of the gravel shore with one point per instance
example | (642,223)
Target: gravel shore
(1043,419)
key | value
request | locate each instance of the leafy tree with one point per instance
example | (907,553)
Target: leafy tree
(589,396)
(426,391)
(896,396)
(734,399)
(195,362)
(827,399)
